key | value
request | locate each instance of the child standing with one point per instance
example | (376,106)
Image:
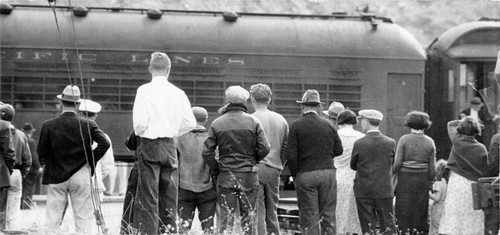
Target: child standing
(438,195)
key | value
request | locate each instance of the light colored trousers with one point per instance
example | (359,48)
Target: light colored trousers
(13,211)
(77,187)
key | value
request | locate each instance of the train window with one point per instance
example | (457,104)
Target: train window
(481,36)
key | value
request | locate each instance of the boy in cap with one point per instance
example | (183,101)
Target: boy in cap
(69,162)
(31,182)
(196,190)
(161,112)
(372,159)
(242,144)
(270,168)
(313,142)
(21,169)
(106,166)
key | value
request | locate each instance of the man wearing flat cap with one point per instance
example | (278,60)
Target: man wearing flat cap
(313,142)
(65,148)
(242,144)
(333,112)
(372,159)
(161,112)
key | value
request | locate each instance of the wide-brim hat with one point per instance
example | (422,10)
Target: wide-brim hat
(28,127)
(311,96)
(89,106)
(70,93)
(334,110)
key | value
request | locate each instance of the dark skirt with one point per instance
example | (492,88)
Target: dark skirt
(412,202)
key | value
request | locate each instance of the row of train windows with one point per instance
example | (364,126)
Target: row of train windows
(119,94)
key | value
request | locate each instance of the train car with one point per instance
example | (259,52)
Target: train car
(362,61)
(460,66)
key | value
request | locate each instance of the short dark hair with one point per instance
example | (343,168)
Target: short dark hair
(347,117)
(261,93)
(7,112)
(417,120)
(69,104)
(468,127)
(373,122)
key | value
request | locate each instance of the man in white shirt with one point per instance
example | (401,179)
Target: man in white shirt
(479,112)
(161,112)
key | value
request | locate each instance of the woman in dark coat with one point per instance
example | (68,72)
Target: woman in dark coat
(467,162)
(414,166)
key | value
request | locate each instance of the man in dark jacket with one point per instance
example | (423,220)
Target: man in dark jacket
(313,142)
(21,169)
(372,157)
(242,144)
(7,160)
(65,148)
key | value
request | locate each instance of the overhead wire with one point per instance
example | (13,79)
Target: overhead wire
(95,196)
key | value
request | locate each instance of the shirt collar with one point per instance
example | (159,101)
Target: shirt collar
(311,111)
(373,131)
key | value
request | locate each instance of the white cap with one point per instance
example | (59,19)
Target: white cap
(90,106)
(237,95)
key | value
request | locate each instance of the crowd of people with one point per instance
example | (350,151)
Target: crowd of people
(347,181)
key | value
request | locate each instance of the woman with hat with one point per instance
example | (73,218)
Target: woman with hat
(414,166)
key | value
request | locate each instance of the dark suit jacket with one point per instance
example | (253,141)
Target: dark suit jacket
(7,155)
(61,149)
(493,157)
(313,142)
(372,158)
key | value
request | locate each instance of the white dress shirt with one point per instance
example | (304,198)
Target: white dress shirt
(161,110)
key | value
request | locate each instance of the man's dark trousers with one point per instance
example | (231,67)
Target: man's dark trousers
(373,211)
(156,195)
(205,201)
(128,202)
(317,199)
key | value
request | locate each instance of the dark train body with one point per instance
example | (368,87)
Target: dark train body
(363,62)
(460,65)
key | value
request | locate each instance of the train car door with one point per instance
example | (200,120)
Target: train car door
(404,94)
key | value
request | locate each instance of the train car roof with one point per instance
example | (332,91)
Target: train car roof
(473,40)
(208,32)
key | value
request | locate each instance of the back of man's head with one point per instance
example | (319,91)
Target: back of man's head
(7,112)
(160,62)
(261,93)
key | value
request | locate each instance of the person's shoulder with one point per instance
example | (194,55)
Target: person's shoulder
(388,139)
(22,135)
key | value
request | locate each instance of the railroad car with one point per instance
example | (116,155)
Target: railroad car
(362,61)
(460,66)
